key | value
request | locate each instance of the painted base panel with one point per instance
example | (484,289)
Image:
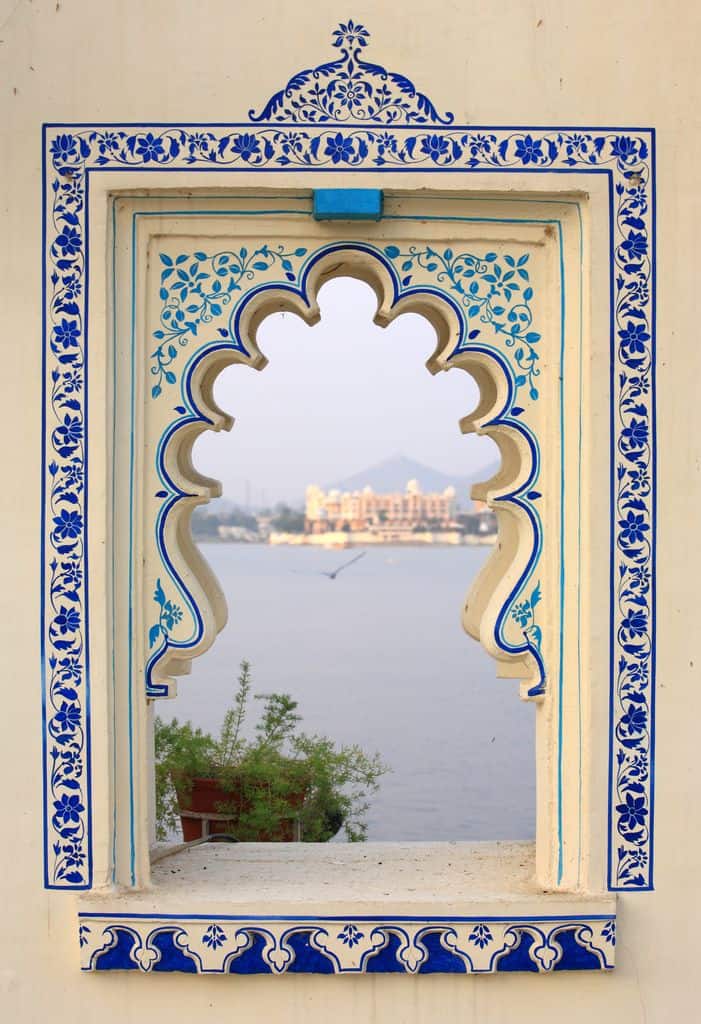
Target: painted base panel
(363,945)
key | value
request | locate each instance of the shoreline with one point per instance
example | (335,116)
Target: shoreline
(336,545)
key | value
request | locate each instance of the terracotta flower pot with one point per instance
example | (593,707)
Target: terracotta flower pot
(206,797)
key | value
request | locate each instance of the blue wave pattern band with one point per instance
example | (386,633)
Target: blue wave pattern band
(198,945)
(396,129)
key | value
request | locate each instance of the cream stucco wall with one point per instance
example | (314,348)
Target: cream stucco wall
(513,63)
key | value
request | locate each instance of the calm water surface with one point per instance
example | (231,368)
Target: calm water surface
(378,657)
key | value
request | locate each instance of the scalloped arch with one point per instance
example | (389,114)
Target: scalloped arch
(490,604)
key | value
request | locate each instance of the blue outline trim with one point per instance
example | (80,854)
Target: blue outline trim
(114,507)
(130,655)
(365,918)
(612,506)
(44,506)
(653,501)
(86,582)
(561,663)
(627,162)
(579,532)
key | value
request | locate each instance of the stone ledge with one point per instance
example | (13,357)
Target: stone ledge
(339,908)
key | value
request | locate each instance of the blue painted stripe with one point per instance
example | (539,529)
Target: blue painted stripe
(653,499)
(86,557)
(579,541)
(442,129)
(42,539)
(115,793)
(560,700)
(130,640)
(612,537)
(368,919)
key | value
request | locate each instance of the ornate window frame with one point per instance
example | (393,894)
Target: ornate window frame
(345,115)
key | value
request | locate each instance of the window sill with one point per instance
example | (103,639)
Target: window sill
(347,908)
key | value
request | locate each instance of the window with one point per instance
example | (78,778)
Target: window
(520,594)
(573,845)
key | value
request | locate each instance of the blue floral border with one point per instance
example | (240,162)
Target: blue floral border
(346,115)
(194,944)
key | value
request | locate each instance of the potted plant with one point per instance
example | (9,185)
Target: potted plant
(281,785)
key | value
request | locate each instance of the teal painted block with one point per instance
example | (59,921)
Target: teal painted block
(347,204)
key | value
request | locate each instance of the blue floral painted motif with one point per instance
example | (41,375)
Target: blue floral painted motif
(350,935)
(481,935)
(170,614)
(523,612)
(66,735)
(195,289)
(350,89)
(497,293)
(214,937)
(317,144)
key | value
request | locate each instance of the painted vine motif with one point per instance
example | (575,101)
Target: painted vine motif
(523,613)
(195,289)
(346,147)
(492,292)
(65,597)
(345,135)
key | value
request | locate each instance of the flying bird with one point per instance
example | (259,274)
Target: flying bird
(334,574)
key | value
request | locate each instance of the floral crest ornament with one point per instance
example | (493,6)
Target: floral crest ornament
(350,89)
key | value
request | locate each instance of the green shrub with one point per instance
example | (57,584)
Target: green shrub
(280,775)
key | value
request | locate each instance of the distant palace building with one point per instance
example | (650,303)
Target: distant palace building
(362,510)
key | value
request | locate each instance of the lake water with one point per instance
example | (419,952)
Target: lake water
(378,657)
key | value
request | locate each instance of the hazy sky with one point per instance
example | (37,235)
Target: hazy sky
(336,398)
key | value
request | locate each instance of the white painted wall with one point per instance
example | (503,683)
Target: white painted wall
(513,63)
